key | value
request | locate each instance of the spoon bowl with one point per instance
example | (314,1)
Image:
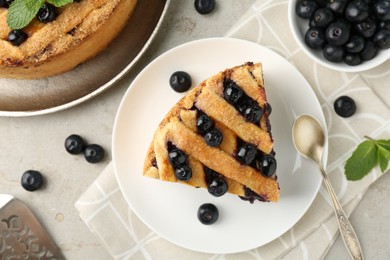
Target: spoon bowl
(309,140)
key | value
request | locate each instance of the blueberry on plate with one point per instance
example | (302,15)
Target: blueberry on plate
(217,187)
(204,6)
(32,180)
(180,81)
(74,144)
(17,37)
(93,153)
(208,213)
(344,106)
(213,137)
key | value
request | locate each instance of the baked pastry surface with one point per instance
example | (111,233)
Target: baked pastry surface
(81,30)
(179,130)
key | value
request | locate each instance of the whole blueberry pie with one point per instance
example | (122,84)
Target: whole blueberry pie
(56,39)
(218,137)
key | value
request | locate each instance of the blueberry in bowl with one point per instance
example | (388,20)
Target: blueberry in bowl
(342,35)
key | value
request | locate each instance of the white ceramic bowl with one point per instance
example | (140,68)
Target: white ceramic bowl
(299,27)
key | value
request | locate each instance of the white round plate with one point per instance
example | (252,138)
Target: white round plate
(170,209)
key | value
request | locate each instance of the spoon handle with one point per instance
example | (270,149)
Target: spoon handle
(346,230)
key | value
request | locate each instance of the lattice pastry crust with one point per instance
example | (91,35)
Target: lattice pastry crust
(80,31)
(179,130)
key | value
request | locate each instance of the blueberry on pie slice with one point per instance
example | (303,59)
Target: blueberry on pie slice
(218,137)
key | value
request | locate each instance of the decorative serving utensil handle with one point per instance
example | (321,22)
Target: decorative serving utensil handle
(347,232)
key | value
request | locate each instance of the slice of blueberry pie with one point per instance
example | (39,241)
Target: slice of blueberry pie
(218,137)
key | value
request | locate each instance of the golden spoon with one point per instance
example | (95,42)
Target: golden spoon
(309,140)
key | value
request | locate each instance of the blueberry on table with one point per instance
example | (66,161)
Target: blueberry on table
(17,37)
(180,81)
(344,106)
(306,8)
(74,144)
(204,6)
(217,187)
(93,153)
(47,13)
(208,213)
(32,180)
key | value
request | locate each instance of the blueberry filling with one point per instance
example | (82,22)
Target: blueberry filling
(179,161)
(206,127)
(247,107)
(216,184)
(248,154)
(213,137)
(252,196)
(204,123)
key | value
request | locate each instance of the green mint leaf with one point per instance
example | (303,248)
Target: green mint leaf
(384,143)
(21,12)
(60,3)
(383,158)
(362,161)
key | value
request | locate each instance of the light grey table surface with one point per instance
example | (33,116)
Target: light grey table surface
(38,143)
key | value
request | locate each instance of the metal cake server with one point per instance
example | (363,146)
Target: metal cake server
(21,234)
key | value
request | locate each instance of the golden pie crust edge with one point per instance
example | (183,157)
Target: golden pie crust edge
(97,36)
